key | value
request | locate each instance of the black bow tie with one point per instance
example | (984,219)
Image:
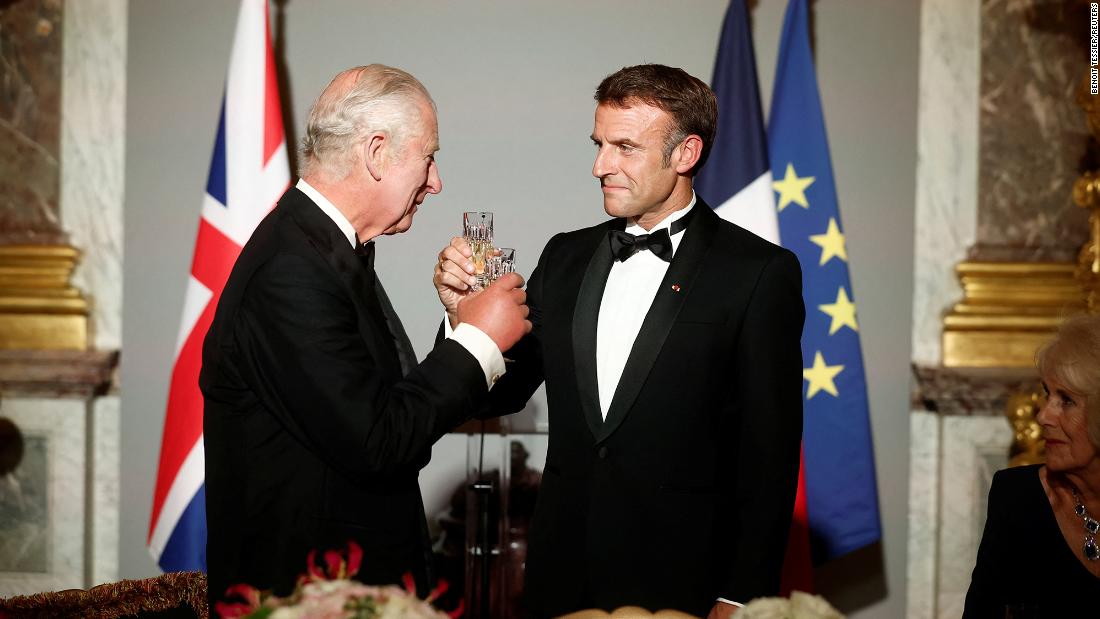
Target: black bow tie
(365,251)
(624,244)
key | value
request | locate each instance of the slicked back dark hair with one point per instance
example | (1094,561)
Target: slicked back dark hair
(691,103)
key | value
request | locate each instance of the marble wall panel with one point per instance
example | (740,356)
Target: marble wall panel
(947,163)
(93,156)
(25,510)
(973,449)
(30,95)
(103,538)
(55,460)
(924,461)
(1033,134)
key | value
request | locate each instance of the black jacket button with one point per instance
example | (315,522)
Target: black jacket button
(602,453)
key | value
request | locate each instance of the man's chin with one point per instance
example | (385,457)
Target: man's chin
(614,208)
(401,226)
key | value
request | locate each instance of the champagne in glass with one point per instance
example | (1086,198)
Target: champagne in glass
(477,229)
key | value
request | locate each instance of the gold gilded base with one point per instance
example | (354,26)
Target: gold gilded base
(991,349)
(1008,310)
(43,332)
(39,310)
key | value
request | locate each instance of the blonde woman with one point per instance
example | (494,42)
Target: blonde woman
(1040,552)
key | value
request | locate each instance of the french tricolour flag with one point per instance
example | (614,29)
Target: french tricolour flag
(737,180)
(249,171)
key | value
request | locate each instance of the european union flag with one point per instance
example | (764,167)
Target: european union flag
(839,465)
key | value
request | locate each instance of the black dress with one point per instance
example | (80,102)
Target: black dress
(1025,568)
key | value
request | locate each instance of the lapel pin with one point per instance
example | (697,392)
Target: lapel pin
(676,288)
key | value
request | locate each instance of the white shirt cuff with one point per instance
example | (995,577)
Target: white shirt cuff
(737,604)
(481,346)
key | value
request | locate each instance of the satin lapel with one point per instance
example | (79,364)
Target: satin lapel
(585,316)
(359,281)
(662,313)
(401,341)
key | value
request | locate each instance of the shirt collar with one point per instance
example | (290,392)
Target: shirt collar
(666,222)
(329,209)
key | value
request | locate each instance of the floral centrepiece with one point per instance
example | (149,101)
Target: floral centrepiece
(330,594)
(799,606)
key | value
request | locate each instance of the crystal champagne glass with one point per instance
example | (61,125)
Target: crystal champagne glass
(477,229)
(502,261)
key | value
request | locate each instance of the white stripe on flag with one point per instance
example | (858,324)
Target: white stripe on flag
(753,208)
(230,222)
(275,182)
(244,116)
(194,302)
(184,486)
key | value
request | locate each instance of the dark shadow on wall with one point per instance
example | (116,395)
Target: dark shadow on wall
(283,76)
(853,581)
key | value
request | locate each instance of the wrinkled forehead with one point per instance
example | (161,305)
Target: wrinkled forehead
(426,126)
(637,118)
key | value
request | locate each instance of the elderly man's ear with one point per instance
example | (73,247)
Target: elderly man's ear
(374,155)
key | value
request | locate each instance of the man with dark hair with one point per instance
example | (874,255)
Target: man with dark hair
(669,343)
(317,417)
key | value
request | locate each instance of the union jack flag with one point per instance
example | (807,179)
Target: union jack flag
(249,171)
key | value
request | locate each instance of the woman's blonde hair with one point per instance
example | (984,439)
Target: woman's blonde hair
(1072,358)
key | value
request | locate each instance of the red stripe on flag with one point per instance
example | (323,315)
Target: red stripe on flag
(215,254)
(798,571)
(273,112)
(183,419)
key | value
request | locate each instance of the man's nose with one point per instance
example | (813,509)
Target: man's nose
(603,164)
(435,181)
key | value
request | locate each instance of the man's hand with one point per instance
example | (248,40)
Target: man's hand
(499,311)
(722,610)
(454,276)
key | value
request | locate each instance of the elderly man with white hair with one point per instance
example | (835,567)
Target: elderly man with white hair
(317,416)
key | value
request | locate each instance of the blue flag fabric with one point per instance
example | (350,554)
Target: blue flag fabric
(842,498)
(736,179)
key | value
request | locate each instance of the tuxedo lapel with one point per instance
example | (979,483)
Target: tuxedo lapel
(404,348)
(585,316)
(359,280)
(670,296)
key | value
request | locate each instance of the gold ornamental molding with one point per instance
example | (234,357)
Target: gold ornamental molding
(1008,310)
(39,309)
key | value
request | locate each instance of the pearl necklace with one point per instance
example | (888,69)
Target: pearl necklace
(1091,549)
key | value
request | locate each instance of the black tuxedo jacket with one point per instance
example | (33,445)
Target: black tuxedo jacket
(684,494)
(312,435)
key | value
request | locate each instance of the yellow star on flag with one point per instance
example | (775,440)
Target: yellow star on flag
(843,312)
(792,188)
(831,243)
(821,376)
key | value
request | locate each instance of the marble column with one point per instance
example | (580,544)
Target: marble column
(1000,143)
(1033,136)
(30,111)
(62,106)
(59,499)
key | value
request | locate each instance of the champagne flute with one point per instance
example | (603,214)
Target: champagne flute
(502,261)
(477,229)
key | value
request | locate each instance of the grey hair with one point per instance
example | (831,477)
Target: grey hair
(381,99)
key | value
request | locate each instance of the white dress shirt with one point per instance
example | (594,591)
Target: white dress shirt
(631,287)
(471,338)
